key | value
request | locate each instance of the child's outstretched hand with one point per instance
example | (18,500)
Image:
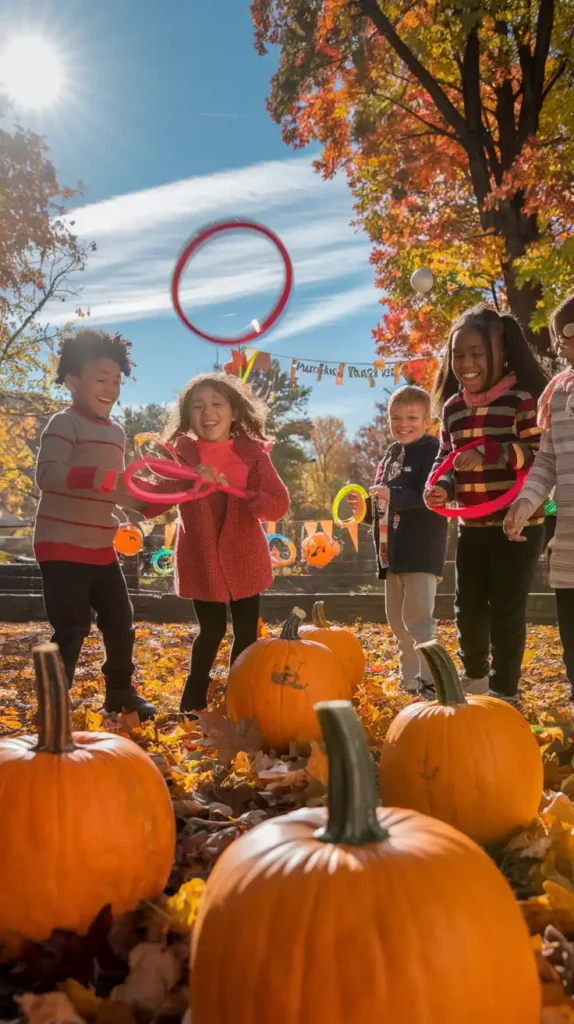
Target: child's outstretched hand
(435,497)
(516,518)
(472,459)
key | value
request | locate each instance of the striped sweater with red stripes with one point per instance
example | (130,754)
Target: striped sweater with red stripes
(79,462)
(508,425)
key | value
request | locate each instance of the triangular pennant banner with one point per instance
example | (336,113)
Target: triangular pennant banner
(327,527)
(353,529)
(310,528)
(169,534)
(271,528)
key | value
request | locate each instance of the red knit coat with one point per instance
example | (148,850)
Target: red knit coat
(236,563)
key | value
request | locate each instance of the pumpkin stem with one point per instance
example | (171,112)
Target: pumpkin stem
(319,617)
(444,674)
(353,795)
(54,727)
(290,630)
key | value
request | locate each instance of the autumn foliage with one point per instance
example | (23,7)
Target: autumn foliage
(39,256)
(455,127)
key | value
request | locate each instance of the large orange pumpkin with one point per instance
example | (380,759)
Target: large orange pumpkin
(345,645)
(383,915)
(470,761)
(278,680)
(85,820)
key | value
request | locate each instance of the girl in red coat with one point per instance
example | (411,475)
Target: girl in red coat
(221,551)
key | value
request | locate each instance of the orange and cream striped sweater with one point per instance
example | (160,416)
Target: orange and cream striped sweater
(512,436)
(79,463)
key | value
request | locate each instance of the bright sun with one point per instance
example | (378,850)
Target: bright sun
(31,72)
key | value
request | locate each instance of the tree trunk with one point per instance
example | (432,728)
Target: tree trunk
(519,231)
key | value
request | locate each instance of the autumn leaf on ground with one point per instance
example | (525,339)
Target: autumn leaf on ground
(82,999)
(221,736)
(50,1008)
(317,765)
(154,971)
(181,909)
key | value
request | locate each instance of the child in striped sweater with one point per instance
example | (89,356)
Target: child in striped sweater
(554,468)
(487,388)
(78,472)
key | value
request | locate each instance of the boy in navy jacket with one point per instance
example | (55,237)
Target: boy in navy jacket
(410,540)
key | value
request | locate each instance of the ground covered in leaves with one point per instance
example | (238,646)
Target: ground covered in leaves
(223,783)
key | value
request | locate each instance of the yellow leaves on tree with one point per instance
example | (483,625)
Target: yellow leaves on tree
(38,256)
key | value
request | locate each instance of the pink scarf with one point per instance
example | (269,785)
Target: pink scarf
(565,380)
(496,391)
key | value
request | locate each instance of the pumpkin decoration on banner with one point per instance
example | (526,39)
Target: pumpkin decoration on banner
(320,550)
(128,540)
(470,761)
(279,679)
(342,642)
(359,890)
(101,823)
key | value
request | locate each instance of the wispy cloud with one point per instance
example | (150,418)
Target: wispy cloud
(139,236)
(329,309)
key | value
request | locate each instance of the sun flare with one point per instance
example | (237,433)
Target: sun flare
(31,72)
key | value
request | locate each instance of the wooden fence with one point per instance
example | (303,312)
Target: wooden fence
(348,584)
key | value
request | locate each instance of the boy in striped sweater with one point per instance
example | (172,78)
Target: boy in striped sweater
(78,472)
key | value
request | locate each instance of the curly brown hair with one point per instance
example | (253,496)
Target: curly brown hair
(87,344)
(249,412)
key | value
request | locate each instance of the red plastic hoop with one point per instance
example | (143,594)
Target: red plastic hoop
(474,511)
(190,250)
(172,471)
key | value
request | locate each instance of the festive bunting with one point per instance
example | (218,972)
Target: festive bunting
(327,527)
(310,528)
(421,370)
(353,529)
(169,534)
(271,528)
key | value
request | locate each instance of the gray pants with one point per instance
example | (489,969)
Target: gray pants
(409,599)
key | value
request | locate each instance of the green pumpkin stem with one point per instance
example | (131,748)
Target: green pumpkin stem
(443,671)
(54,726)
(290,630)
(353,795)
(319,617)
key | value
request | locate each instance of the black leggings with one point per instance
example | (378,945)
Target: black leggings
(212,619)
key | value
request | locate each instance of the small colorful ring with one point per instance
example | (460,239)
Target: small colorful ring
(357,517)
(158,560)
(277,560)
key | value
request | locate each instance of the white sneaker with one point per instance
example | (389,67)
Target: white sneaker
(475,687)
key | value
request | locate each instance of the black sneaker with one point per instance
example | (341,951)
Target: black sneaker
(128,699)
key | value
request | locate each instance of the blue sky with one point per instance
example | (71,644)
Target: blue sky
(163,118)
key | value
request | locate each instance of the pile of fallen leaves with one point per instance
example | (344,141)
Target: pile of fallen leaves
(223,783)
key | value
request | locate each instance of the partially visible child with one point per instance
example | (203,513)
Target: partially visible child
(79,464)
(487,388)
(222,555)
(554,468)
(410,540)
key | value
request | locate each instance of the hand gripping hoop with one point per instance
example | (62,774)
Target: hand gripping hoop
(474,511)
